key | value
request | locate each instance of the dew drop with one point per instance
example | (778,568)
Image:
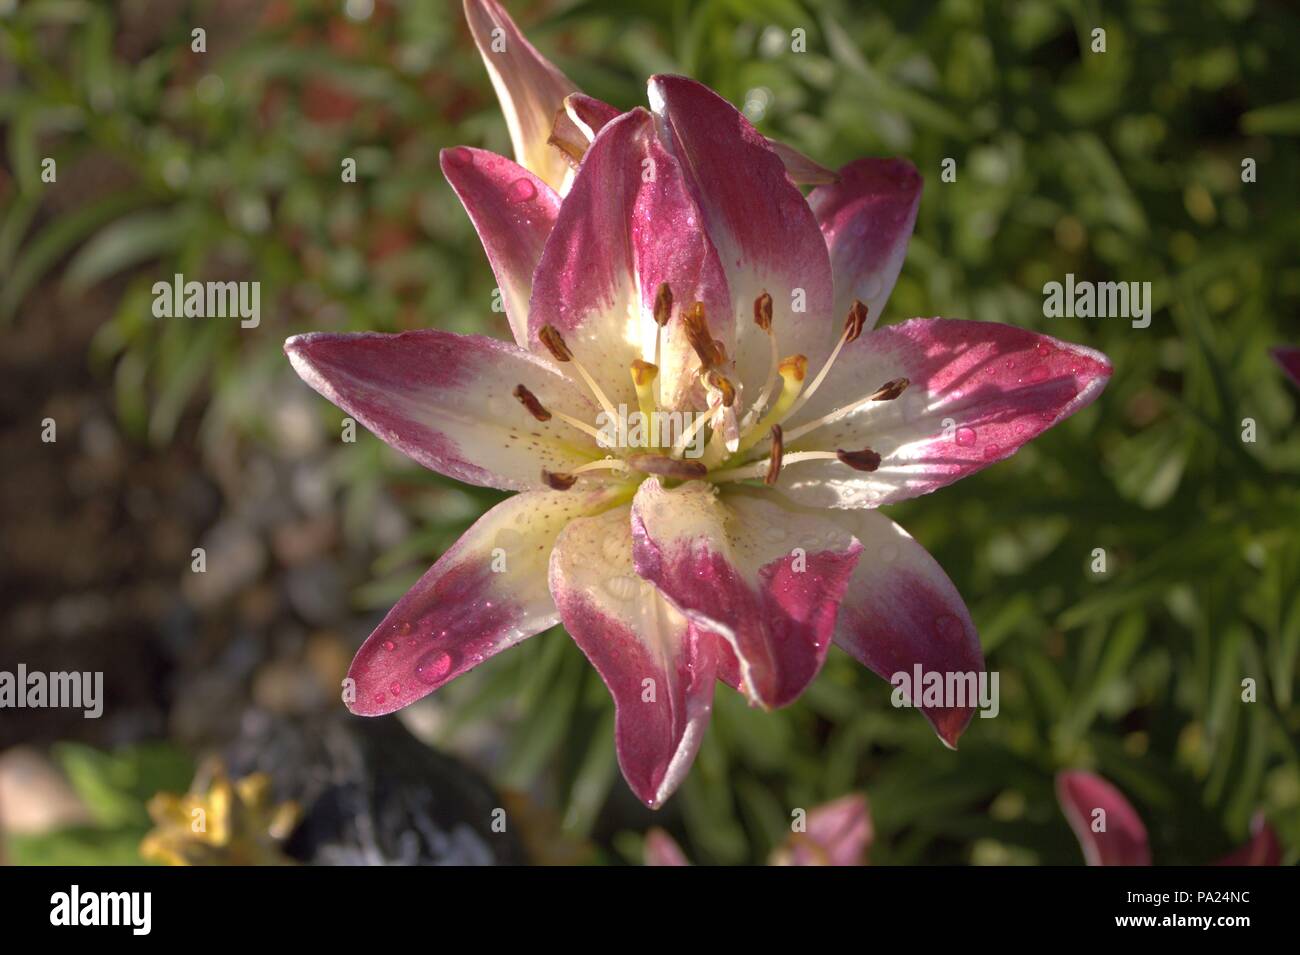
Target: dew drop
(389,645)
(889,553)
(395,688)
(965,436)
(992,451)
(432,667)
(460,156)
(521,190)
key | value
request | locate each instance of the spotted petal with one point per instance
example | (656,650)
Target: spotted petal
(659,669)
(627,226)
(901,612)
(765,578)
(485,594)
(977,392)
(1108,828)
(867,218)
(446,401)
(530,88)
(514,212)
(758,220)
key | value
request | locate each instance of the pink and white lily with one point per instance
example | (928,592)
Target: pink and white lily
(1111,832)
(664,260)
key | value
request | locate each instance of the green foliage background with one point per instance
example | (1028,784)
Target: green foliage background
(1123,165)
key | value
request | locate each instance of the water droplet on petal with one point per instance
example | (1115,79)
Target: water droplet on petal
(432,667)
(389,645)
(992,451)
(395,688)
(460,156)
(889,553)
(521,190)
(965,436)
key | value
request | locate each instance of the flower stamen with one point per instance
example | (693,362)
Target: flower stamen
(886,392)
(853,325)
(662,466)
(774,462)
(550,337)
(864,460)
(541,413)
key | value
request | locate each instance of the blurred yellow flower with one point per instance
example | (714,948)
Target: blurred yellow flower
(220,823)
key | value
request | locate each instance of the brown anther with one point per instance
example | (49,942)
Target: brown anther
(668,467)
(856,319)
(529,401)
(550,337)
(663,304)
(763,312)
(890,390)
(697,333)
(720,350)
(864,460)
(723,384)
(778,452)
(643,372)
(796,367)
(558,480)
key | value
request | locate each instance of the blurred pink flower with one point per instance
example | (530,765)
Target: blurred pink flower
(664,260)
(838,833)
(1288,356)
(1111,833)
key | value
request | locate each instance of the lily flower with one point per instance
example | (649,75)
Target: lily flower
(837,833)
(683,275)
(1111,832)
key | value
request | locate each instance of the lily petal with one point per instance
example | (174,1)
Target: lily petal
(1090,804)
(484,595)
(977,391)
(577,124)
(624,229)
(513,212)
(838,833)
(659,669)
(766,579)
(529,87)
(867,218)
(1288,358)
(800,168)
(758,220)
(446,401)
(1264,848)
(901,611)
